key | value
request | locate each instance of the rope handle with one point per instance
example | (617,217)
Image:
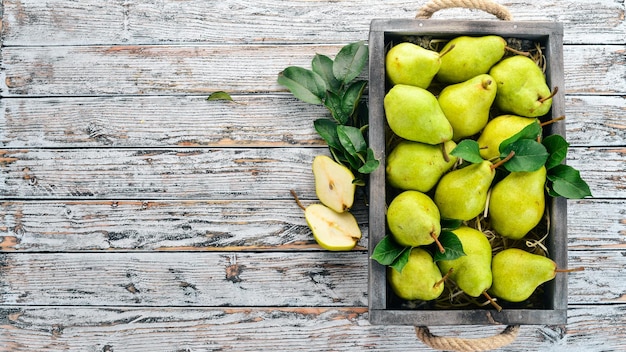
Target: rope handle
(509,334)
(488,6)
(504,338)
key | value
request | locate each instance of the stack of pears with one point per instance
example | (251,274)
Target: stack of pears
(473,88)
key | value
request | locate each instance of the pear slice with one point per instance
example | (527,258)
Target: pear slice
(333,183)
(332,230)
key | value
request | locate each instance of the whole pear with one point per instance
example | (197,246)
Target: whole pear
(413,219)
(333,183)
(413,113)
(522,87)
(466,104)
(471,272)
(418,166)
(497,130)
(517,274)
(408,63)
(462,193)
(466,57)
(517,203)
(420,278)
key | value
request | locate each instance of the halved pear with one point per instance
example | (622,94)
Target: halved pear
(333,183)
(332,230)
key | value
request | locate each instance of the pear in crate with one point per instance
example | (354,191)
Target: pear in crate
(466,57)
(418,166)
(497,130)
(414,113)
(420,278)
(333,183)
(413,219)
(408,63)
(517,203)
(332,230)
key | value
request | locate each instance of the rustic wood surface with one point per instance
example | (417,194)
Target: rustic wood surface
(137,216)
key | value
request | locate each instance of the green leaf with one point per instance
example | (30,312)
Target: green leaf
(327,129)
(371,163)
(450,224)
(323,66)
(530,155)
(468,150)
(387,251)
(333,104)
(401,261)
(304,84)
(351,139)
(556,146)
(532,131)
(221,95)
(452,245)
(350,61)
(566,182)
(352,97)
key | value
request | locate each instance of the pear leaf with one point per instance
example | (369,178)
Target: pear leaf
(452,245)
(352,97)
(371,163)
(468,150)
(327,129)
(387,251)
(304,84)
(566,182)
(333,104)
(221,95)
(350,61)
(530,155)
(532,131)
(351,139)
(323,66)
(402,259)
(556,146)
(450,224)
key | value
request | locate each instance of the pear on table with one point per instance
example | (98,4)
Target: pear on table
(522,87)
(332,230)
(517,203)
(408,63)
(333,183)
(466,57)
(418,166)
(414,113)
(413,219)
(497,130)
(420,278)
(466,104)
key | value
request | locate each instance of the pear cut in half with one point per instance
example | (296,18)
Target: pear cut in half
(332,230)
(333,183)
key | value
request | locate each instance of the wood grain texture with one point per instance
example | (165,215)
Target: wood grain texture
(276,329)
(245,225)
(165,70)
(238,279)
(258,120)
(63,22)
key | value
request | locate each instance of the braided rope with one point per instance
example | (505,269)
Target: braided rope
(486,5)
(504,338)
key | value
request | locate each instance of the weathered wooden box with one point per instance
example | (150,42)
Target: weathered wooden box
(383,307)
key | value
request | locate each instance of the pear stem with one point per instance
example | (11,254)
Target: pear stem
(499,163)
(549,122)
(439,245)
(446,157)
(295,197)
(444,278)
(492,301)
(518,52)
(556,89)
(580,268)
(447,51)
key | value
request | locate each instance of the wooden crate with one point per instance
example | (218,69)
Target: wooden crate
(382,309)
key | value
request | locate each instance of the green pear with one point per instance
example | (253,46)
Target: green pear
(471,272)
(466,105)
(413,113)
(418,166)
(462,193)
(420,278)
(497,130)
(467,57)
(517,274)
(413,219)
(517,203)
(332,230)
(522,87)
(333,183)
(407,63)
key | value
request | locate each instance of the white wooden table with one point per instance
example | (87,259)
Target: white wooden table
(137,216)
